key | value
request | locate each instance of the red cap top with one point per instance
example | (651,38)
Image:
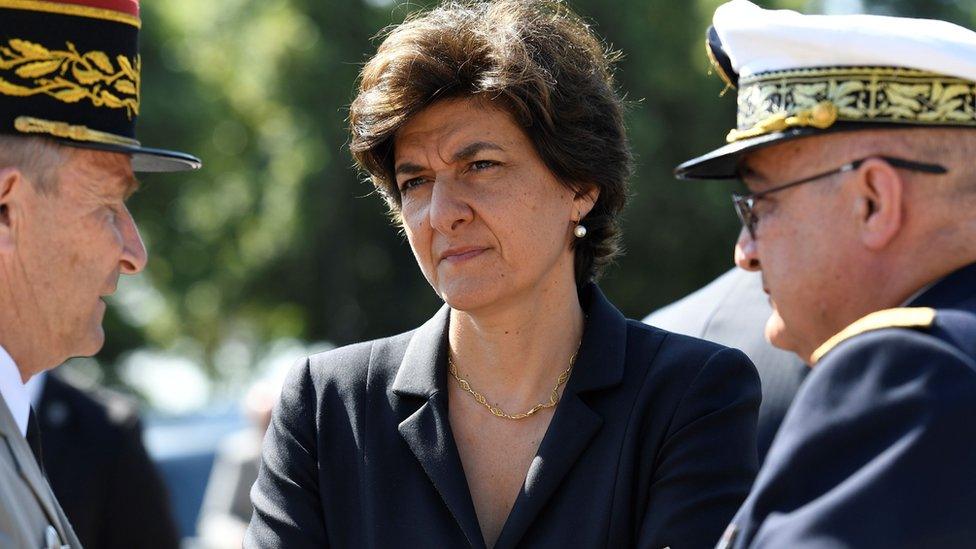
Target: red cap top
(122,11)
(130,7)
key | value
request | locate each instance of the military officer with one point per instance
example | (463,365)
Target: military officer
(69,98)
(855,139)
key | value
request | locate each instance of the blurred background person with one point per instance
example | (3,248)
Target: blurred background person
(732,310)
(98,467)
(528,411)
(226,508)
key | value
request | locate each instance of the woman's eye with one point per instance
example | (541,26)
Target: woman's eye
(479,165)
(411,183)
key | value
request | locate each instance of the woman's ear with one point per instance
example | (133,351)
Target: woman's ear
(584,199)
(878,209)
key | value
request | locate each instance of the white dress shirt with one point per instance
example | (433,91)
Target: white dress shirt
(14,392)
(35,386)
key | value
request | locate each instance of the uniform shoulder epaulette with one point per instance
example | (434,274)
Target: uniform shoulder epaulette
(903,317)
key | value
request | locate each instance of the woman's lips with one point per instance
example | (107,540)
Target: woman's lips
(461,254)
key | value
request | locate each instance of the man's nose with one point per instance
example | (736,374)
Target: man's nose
(134,255)
(745,255)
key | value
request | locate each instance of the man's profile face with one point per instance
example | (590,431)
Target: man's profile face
(799,245)
(72,245)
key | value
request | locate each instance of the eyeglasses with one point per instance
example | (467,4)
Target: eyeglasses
(745,203)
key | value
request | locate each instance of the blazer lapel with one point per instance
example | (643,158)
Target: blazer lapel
(420,396)
(600,365)
(28,468)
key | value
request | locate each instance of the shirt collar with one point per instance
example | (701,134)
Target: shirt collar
(14,392)
(35,388)
(908,302)
(953,291)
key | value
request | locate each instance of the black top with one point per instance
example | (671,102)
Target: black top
(878,448)
(653,444)
(732,310)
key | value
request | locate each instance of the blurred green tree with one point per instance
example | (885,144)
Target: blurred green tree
(278,237)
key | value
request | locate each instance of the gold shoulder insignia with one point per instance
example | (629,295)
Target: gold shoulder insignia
(904,317)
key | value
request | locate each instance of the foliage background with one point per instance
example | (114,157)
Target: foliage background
(277,240)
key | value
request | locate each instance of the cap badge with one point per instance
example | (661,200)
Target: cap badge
(822,115)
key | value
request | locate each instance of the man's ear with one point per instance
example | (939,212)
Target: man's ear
(10,181)
(584,199)
(879,192)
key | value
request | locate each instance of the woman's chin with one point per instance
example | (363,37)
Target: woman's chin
(469,295)
(463,301)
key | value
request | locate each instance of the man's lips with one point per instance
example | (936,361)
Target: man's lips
(454,255)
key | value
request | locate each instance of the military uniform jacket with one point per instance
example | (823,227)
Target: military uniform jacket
(30,516)
(879,447)
(652,444)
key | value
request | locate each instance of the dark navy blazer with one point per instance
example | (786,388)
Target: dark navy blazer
(100,470)
(879,448)
(651,445)
(732,310)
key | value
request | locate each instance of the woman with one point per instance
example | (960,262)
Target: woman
(527,411)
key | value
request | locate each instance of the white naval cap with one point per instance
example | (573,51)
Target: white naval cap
(758,40)
(800,75)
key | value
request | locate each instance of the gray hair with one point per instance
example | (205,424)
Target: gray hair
(37,158)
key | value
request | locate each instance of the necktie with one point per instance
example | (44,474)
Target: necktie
(34,438)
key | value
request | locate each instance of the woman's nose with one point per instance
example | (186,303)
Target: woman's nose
(449,209)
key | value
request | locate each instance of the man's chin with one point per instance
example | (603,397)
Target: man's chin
(91,344)
(778,334)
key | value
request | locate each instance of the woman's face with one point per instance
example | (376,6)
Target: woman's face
(487,221)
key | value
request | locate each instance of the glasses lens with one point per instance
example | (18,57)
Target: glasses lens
(743,208)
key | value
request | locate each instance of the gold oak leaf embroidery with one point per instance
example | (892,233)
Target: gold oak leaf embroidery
(765,103)
(70,76)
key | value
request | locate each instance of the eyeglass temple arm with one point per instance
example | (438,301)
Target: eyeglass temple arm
(915,166)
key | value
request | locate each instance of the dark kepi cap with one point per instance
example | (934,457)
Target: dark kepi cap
(70,71)
(802,75)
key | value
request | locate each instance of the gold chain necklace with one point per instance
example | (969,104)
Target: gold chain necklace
(498,412)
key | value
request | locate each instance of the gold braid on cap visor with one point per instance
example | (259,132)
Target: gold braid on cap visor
(28,125)
(777,101)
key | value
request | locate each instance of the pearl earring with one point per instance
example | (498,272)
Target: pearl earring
(579,231)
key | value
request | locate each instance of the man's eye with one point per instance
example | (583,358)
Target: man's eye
(113,210)
(763,204)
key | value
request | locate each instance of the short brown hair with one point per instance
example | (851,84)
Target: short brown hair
(537,60)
